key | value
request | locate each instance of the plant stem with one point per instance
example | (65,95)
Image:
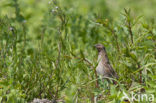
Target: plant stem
(130,31)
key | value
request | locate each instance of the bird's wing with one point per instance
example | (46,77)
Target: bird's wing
(110,70)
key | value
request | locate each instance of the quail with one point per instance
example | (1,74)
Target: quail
(104,68)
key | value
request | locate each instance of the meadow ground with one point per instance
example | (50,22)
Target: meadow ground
(46,50)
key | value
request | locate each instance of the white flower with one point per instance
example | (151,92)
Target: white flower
(53,11)
(49,2)
(11,28)
(56,7)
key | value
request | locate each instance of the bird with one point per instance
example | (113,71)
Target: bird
(104,67)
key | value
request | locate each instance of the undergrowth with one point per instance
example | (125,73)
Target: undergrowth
(57,59)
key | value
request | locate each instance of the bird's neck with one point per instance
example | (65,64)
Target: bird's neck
(102,56)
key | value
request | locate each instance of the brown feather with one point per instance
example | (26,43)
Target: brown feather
(104,68)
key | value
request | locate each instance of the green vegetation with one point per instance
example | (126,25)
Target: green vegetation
(46,49)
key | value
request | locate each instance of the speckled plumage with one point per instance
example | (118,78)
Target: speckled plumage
(104,68)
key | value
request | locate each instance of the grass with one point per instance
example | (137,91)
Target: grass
(55,58)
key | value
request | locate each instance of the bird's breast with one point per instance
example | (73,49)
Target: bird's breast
(100,68)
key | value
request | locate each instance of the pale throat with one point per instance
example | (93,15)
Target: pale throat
(101,56)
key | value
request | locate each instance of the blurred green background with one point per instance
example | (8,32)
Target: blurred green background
(46,49)
(34,10)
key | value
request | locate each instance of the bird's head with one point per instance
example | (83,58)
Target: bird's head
(99,47)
